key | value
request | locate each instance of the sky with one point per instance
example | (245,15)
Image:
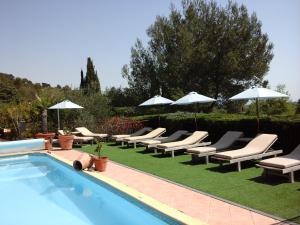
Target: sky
(50,40)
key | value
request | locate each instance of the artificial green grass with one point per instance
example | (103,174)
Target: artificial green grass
(273,195)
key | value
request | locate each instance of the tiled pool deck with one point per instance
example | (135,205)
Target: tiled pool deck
(192,203)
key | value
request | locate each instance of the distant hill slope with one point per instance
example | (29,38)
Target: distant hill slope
(15,88)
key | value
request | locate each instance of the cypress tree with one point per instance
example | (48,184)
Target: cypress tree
(90,83)
(82,81)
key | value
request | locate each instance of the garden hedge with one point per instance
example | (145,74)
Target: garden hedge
(287,128)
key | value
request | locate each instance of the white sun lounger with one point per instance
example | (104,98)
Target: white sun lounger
(225,142)
(78,139)
(153,134)
(85,132)
(152,143)
(120,137)
(258,148)
(282,165)
(192,141)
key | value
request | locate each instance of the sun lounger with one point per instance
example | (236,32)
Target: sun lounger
(153,134)
(286,164)
(78,139)
(192,141)
(85,132)
(140,132)
(152,143)
(225,142)
(258,148)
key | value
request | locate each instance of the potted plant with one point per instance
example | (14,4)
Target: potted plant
(66,140)
(100,161)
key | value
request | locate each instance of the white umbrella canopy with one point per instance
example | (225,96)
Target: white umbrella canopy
(257,93)
(193,98)
(156,101)
(64,105)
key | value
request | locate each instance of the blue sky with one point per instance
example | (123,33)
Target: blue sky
(49,41)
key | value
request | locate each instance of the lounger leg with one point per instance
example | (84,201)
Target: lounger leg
(172,152)
(155,150)
(122,143)
(292,180)
(206,159)
(239,166)
(134,144)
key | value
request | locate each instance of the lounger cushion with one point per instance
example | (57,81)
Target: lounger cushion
(120,136)
(280,162)
(200,150)
(85,132)
(150,142)
(292,159)
(258,145)
(196,137)
(155,133)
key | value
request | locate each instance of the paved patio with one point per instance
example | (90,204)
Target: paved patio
(192,203)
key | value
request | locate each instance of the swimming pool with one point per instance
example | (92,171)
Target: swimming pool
(37,189)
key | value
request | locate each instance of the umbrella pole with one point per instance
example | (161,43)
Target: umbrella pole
(257,115)
(58,122)
(196,127)
(159,120)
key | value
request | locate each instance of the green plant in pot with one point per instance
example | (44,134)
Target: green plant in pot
(66,139)
(99,161)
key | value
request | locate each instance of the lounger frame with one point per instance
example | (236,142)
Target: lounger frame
(269,152)
(204,154)
(289,171)
(182,147)
(135,142)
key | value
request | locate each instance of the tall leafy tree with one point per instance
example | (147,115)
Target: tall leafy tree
(205,47)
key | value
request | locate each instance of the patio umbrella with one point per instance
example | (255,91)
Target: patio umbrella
(156,101)
(193,98)
(257,93)
(64,105)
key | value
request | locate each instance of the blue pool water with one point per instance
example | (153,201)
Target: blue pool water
(38,190)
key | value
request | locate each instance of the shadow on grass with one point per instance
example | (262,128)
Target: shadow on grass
(294,220)
(144,151)
(160,156)
(227,168)
(193,162)
(270,180)
(113,144)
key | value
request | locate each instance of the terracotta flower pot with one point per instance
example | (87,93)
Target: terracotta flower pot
(100,163)
(66,141)
(47,136)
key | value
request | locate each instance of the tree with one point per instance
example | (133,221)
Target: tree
(218,51)
(82,81)
(90,83)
